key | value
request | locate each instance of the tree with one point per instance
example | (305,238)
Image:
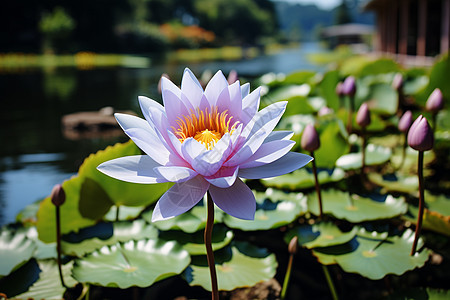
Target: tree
(343,15)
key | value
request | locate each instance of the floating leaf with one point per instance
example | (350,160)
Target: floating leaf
(374,255)
(125,213)
(104,234)
(395,182)
(323,234)
(43,250)
(134,263)
(28,215)
(15,249)
(272,216)
(327,88)
(375,155)
(382,99)
(303,179)
(120,192)
(191,221)
(20,279)
(246,267)
(355,208)
(194,243)
(49,285)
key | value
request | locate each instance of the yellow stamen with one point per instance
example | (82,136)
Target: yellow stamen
(206,126)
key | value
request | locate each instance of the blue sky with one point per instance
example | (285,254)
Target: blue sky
(324,4)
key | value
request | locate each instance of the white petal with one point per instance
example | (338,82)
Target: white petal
(215,86)
(224,178)
(279,135)
(209,162)
(191,89)
(245,90)
(288,163)
(173,105)
(144,136)
(180,198)
(136,169)
(268,153)
(175,173)
(191,148)
(250,105)
(237,200)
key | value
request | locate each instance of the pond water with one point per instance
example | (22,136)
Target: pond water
(35,154)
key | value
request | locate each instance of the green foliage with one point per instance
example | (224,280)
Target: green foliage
(15,249)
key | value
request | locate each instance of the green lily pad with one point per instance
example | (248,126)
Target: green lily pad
(71,219)
(383,99)
(355,208)
(304,179)
(409,164)
(420,294)
(245,266)
(269,215)
(190,221)
(395,182)
(276,196)
(327,88)
(104,234)
(323,234)
(15,249)
(375,155)
(134,263)
(120,192)
(20,280)
(43,250)
(194,242)
(374,255)
(28,215)
(125,213)
(49,285)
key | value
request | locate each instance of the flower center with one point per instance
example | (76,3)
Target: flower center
(206,126)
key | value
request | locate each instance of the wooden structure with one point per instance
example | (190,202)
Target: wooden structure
(419,28)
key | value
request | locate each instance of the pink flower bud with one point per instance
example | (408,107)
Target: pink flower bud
(232,77)
(349,86)
(339,91)
(325,110)
(405,121)
(397,82)
(310,139)
(420,135)
(363,115)
(58,195)
(293,245)
(435,102)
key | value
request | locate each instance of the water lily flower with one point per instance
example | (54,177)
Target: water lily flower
(420,135)
(310,139)
(435,101)
(405,121)
(363,115)
(349,86)
(205,141)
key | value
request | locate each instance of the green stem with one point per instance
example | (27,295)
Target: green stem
(319,195)
(405,144)
(350,114)
(117,213)
(58,245)
(330,282)
(287,277)
(209,250)
(364,146)
(421,203)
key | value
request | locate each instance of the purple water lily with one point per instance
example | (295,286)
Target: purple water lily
(205,140)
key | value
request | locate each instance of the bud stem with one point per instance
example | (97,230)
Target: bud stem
(421,203)
(58,245)
(209,250)
(287,277)
(316,182)
(330,282)
(363,150)
(350,114)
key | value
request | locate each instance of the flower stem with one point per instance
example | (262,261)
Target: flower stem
(330,282)
(350,114)
(58,245)
(287,276)
(316,180)
(117,213)
(209,250)
(363,150)
(421,203)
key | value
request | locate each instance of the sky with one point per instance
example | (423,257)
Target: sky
(324,4)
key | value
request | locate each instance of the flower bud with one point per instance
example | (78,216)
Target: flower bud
(435,102)
(325,110)
(420,135)
(339,91)
(293,245)
(397,82)
(58,195)
(159,83)
(232,77)
(363,115)
(349,86)
(310,139)
(405,121)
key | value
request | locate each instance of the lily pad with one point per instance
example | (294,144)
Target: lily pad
(104,234)
(49,285)
(375,155)
(43,250)
(269,216)
(125,212)
(134,263)
(194,242)
(120,192)
(355,208)
(15,249)
(323,234)
(191,221)
(246,266)
(304,179)
(375,255)
(27,216)
(395,182)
